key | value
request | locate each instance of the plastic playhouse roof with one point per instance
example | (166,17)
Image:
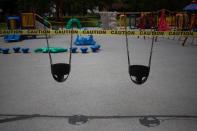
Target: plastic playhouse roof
(191,7)
(13,18)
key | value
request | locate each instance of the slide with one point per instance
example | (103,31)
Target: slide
(12,38)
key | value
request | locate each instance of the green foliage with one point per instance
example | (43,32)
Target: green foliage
(3,26)
(79,7)
(41,6)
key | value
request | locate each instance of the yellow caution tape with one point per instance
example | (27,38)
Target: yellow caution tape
(98,32)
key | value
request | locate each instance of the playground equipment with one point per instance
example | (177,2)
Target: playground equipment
(60,71)
(73,49)
(179,22)
(132,21)
(138,73)
(73,21)
(86,41)
(191,9)
(5,50)
(112,19)
(25,50)
(34,21)
(147,20)
(84,49)
(12,38)
(122,21)
(108,20)
(150,21)
(95,48)
(98,46)
(51,49)
(16,49)
(163,25)
(171,19)
(182,22)
(13,22)
(163,19)
(82,40)
(142,21)
(28,20)
(25,21)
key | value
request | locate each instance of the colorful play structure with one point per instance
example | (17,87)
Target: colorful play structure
(13,22)
(25,21)
(161,20)
(84,40)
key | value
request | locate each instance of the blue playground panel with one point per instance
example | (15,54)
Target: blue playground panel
(74,49)
(12,38)
(88,40)
(16,49)
(5,50)
(84,49)
(25,50)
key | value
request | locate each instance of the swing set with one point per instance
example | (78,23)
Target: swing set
(60,71)
(138,73)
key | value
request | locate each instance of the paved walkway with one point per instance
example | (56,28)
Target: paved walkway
(99,84)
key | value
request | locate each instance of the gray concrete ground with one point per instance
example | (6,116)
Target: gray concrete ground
(99,84)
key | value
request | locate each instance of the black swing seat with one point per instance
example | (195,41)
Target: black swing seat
(60,71)
(139,73)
